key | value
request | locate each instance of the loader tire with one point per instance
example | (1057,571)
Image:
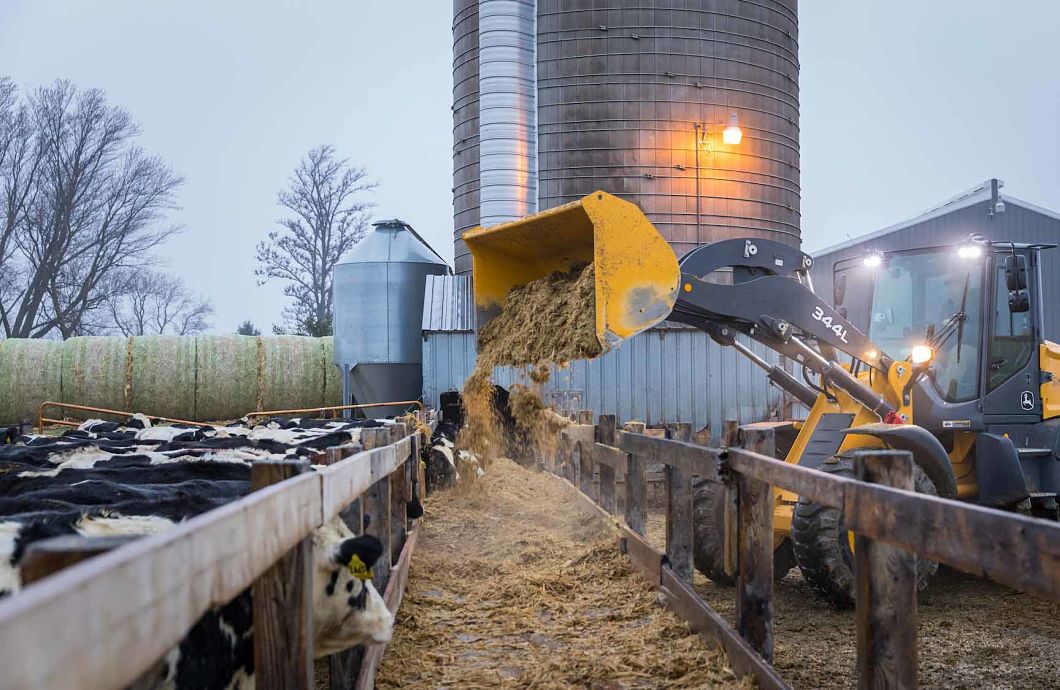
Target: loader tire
(822,545)
(708,536)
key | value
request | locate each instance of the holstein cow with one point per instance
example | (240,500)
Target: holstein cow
(118,480)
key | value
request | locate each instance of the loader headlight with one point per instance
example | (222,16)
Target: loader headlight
(872,260)
(969,251)
(921,354)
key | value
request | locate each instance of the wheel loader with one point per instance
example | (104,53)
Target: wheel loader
(938,351)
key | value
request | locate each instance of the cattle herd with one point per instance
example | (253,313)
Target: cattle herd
(133,478)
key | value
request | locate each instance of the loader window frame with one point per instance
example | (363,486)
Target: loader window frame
(1011,342)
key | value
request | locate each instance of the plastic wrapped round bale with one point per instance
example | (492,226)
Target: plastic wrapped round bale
(30,373)
(228,371)
(96,372)
(293,372)
(163,376)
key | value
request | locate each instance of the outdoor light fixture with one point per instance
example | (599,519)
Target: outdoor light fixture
(733,134)
(969,251)
(873,260)
(921,354)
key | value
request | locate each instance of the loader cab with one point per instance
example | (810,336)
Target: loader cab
(977,305)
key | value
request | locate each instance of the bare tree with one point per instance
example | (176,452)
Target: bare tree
(150,302)
(84,205)
(328,217)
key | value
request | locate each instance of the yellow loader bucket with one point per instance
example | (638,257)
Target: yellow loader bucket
(636,271)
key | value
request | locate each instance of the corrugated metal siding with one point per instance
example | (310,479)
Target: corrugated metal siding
(448,304)
(1016,224)
(658,376)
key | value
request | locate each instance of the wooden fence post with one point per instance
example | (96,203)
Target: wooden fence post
(754,587)
(636,491)
(585,417)
(283,601)
(679,510)
(376,506)
(343,666)
(885,611)
(398,501)
(605,433)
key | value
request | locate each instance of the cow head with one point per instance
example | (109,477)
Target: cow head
(347,609)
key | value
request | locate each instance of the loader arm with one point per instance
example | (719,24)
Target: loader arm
(769,299)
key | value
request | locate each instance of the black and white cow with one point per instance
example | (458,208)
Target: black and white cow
(118,480)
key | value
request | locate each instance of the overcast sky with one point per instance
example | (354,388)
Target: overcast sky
(904,104)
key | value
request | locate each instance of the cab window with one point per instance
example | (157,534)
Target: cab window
(1011,339)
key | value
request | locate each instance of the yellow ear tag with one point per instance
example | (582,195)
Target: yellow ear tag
(358,569)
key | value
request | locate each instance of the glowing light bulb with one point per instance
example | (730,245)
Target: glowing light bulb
(733,135)
(921,354)
(969,251)
(873,260)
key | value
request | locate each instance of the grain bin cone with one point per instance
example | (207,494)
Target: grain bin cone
(636,271)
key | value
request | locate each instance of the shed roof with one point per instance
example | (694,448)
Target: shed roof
(969,197)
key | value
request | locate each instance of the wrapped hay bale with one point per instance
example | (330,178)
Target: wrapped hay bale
(30,373)
(163,376)
(96,371)
(228,370)
(293,375)
(332,373)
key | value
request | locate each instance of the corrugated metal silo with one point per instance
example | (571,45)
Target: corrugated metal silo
(465,121)
(507,139)
(621,86)
(378,305)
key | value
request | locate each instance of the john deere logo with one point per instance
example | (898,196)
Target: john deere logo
(1027,400)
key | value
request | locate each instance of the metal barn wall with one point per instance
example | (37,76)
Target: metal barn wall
(1020,222)
(666,375)
(620,85)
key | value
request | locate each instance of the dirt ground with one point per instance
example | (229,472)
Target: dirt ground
(514,584)
(973,633)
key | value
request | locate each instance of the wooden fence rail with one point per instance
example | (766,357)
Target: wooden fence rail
(103,622)
(891,523)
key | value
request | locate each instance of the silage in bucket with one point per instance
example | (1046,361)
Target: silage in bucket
(227,376)
(293,373)
(96,372)
(163,376)
(30,373)
(332,373)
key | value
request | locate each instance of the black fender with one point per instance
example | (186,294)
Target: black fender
(998,471)
(927,451)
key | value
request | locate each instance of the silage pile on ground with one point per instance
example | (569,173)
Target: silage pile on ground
(548,321)
(518,586)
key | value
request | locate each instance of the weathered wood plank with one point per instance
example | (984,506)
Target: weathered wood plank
(636,494)
(1021,552)
(692,459)
(754,586)
(821,487)
(346,480)
(885,615)
(49,556)
(610,456)
(644,557)
(176,575)
(283,600)
(744,660)
(395,591)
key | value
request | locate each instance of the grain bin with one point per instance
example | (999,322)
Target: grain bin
(378,309)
